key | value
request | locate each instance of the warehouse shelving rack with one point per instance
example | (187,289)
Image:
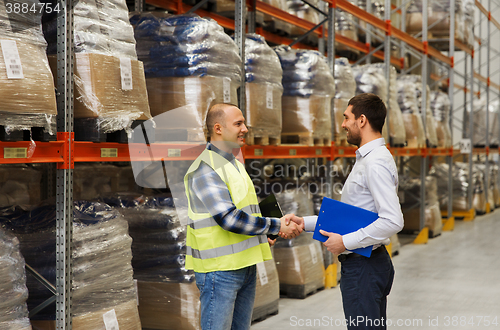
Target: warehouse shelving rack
(65,151)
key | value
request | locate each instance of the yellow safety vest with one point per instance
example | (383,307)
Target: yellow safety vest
(208,246)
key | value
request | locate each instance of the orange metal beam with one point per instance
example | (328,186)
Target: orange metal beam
(394,7)
(37,152)
(285,151)
(481,8)
(463,47)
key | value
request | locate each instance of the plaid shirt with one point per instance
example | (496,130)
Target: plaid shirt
(209,194)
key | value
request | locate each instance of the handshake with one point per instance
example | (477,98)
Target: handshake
(291,226)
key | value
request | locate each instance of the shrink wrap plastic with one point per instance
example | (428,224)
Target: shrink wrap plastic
(14,312)
(378,10)
(308,91)
(411,208)
(438,18)
(27,88)
(370,78)
(190,65)
(168,296)
(345,26)
(479,117)
(303,11)
(263,76)
(492,183)
(409,99)
(466,21)
(101,261)
(345,88)
(461,181)
(100,27)
(19,185)
(440,106)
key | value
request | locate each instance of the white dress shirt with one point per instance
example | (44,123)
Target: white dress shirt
(371,185)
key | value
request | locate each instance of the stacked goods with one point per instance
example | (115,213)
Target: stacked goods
(101,264)
(263,76)
(345,87)
(461,181)
(26,83)
(407,100)
(370,78)
(494,181)
(345,26)
(308,91)
(299,260)
(430,126)
(190,65)
(438,18)
(378,10)
(14,312)
(20,185)
(110,88)
(300,266)
(305,12)
(410,205)
(466,21)
(479,109)
(267,293)
(440,106)
(492,184)
(274,24)
(168,296)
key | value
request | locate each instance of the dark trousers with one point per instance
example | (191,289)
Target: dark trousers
(365,284)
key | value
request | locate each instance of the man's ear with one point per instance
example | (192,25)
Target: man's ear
(362,121)
(217,128)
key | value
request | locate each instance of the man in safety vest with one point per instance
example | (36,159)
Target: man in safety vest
(226,234)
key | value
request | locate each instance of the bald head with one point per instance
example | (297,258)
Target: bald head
(215,115)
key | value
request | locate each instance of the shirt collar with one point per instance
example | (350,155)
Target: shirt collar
(226,155)
(367,148)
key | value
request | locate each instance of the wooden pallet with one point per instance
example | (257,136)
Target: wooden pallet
(34,133)
(263,312)
(258,137)
(299,291)
(341,142)
(307,139)
(277,27)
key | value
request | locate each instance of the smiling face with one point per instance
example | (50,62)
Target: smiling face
(234,129)
(350,124)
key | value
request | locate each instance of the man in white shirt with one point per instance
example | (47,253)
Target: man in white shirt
(371,185)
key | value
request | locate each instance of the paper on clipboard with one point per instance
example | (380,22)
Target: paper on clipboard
(342,218)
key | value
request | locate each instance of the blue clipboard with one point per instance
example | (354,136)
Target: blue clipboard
(342,218)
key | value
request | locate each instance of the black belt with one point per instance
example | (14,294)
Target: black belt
(344,257)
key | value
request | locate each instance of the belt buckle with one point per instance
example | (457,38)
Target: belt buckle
(342,257)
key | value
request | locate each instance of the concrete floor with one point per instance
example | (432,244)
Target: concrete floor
(452,282)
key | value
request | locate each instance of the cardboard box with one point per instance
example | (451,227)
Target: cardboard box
(267,293)
(173,306)
(98,88)
(432,219)
(126,314)
(34,94)
(307,115)
(264,108)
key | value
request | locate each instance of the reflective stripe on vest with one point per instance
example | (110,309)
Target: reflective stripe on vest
(226,250)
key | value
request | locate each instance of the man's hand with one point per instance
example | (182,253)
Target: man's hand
(271,241)
(298,220)
(334,243)
(288,230)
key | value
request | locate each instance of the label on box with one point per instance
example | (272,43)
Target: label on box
(314,253)
(465,146)
(12,59)
(126,73)
(269,97)
(110,320)
(261,270)
(226,90)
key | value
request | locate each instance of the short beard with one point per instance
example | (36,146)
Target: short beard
(354,140)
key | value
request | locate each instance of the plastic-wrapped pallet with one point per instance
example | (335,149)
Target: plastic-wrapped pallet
(267,293)
(263,75)
(438,18)
(303,11)
(492,185)
(307,96)
(370,78)
(14,312)
(101,263)
(26,84)
(92,180)
(466,21)
(168,296)
(345,26)
(190,64)
(440,106)
(19,185)
(411,207)
(461,181)
(495,182)
(378,10)
(479,109)
(276,25)
(345,88)
(409,99)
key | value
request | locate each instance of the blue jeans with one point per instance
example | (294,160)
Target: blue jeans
(365,284)
(227,298)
